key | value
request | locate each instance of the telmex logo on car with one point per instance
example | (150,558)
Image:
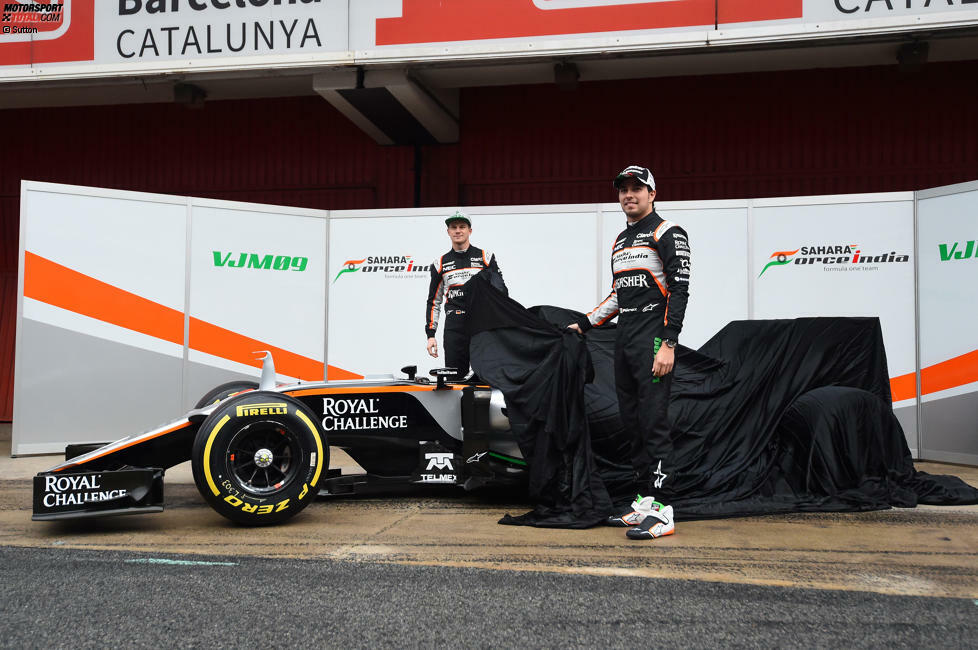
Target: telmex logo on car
(341,414)
(77,490)
(439,460)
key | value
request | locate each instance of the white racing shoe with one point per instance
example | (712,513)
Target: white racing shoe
(634,514)
(658,524)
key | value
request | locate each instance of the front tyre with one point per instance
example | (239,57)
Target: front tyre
(259,457)
(216,394)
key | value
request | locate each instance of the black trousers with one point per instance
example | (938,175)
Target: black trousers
(643,400)
(456,343)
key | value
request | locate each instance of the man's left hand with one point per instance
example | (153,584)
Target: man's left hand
(665,359)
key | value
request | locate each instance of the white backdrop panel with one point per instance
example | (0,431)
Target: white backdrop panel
(948,275)
(839,288)
(718,241)
(948,241)
(97,351)
(260,272)
(135,242)
(376,317)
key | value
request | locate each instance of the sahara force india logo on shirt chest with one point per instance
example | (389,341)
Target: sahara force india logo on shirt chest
(834,257)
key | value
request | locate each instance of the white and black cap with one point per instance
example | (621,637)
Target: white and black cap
(641,174)
(458,216)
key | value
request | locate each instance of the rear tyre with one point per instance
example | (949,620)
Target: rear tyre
(259,457)
(216,394)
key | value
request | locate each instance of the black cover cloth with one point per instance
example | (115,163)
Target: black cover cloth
(767,417)
(541,370)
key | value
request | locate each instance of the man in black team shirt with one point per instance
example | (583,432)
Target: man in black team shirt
(448,273)
(650,287)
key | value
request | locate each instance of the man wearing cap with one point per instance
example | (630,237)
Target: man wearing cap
(649,291)
(448,273)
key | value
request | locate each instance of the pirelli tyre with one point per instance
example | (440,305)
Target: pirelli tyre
(216,394)
(259,457)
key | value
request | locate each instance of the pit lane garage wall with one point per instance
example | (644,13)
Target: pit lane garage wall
(54,39)
(179,292)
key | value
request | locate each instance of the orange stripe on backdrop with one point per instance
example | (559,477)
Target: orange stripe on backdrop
(60,286)
(952,373)
(212,339)
(903,387)
(57,285)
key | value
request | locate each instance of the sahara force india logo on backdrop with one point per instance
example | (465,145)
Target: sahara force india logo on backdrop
(393,267)
(838,257)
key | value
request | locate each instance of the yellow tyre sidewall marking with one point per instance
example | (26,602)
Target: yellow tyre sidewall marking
(207,454)
(319,445)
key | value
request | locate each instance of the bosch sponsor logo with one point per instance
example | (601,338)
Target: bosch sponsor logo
(77,491)
(270,408)
(835,257)
(260,261)
(631,281)
(391,266)
(344,414)
(958,251)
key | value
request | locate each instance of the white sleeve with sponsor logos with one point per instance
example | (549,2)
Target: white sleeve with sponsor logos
(436,293)
(605,311)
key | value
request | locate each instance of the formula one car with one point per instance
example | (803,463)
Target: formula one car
(767,416)
(260,452)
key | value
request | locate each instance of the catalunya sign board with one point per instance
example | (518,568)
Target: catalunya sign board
(85,38)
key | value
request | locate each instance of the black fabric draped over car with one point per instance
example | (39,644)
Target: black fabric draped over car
(768,416)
